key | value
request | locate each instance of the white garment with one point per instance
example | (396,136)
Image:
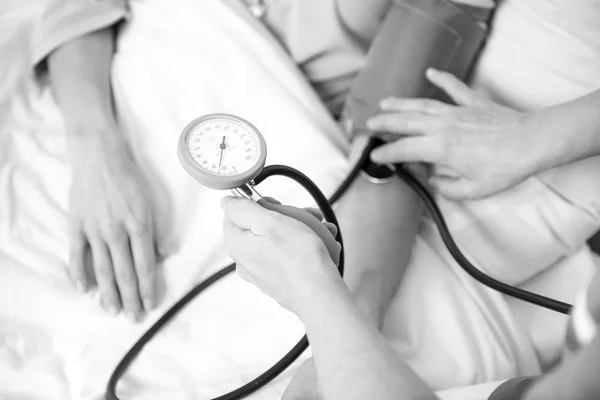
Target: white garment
(540,53)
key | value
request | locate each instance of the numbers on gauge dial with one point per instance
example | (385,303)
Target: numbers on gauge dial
(223,146)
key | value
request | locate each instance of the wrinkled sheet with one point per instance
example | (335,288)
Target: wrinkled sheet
(57,344)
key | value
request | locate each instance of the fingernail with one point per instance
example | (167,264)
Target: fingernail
(112,310)
(375,156)
(147,305)
(131,317)
(80,287)
(225,202)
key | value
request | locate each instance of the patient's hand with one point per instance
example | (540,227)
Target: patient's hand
(110,214)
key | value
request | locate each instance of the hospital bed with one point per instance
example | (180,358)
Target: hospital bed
(58,344)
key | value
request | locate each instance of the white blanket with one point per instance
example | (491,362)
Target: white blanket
(57,344)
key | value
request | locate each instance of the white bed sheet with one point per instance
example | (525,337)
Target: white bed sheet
(57,344)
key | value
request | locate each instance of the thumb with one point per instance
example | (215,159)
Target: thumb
(462,94)
(248,215)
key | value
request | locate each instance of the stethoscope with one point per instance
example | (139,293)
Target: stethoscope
(226,152)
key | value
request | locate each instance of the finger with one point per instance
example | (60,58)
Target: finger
(413,149)
(248,215)
(427,106)
(405,123)
(76,268)
(236,239)
(455,189)
(244,273)
(103,269)
(459,92)
(144,261)
(272,200)
(125,275)
(332,228)
(315,212)
(445,172)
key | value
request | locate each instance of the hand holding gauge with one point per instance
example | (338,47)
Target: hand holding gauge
(222,151)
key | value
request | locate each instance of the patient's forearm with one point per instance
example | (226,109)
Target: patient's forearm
(352,358)
(80,79)
(379,224)
(572,131)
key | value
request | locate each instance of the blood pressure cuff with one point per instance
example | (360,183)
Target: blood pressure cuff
(415,35)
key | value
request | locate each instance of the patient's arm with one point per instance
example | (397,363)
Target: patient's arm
(110,212)
(379,225)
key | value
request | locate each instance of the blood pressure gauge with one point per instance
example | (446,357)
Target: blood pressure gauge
(222,151)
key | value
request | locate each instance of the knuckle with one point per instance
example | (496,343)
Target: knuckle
(114,233)
(440,149)
(428,105)
(77,236)
(140,226)
(75,225)
(384,122)
(445,143)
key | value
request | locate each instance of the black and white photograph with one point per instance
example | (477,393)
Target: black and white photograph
(300,199)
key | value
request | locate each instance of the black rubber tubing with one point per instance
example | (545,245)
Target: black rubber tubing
(297,350)
(325,206)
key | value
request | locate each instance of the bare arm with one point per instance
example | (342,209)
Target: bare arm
(110,213)
(80,78)
(379,223)
(288,262)
(352,358)
(573,129)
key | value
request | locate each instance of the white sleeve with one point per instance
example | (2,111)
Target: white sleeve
(64,20)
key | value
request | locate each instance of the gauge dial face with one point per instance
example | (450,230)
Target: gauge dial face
(223,146)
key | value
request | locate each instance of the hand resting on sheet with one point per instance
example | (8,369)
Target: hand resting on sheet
(110,210)
(111,215)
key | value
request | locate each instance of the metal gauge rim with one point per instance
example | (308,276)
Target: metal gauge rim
(211,179)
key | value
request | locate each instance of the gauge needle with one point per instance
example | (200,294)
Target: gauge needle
(222,146)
